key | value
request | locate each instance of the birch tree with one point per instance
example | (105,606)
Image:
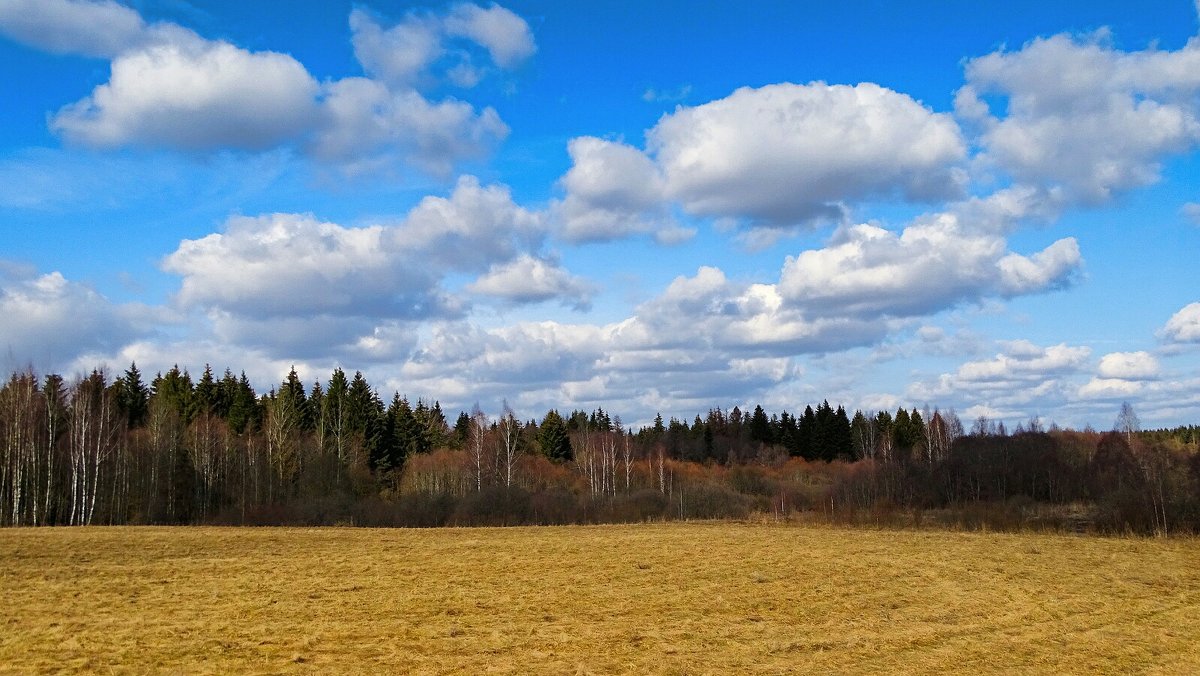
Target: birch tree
(510,443)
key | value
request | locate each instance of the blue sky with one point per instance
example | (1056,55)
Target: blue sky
(650,207)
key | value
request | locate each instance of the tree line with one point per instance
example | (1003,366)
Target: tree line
(182,450)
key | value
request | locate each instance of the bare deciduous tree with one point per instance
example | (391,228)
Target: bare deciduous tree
(510,443)
(477,444)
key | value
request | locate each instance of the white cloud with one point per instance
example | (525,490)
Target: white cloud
(358,290)
(367,127)
(708,311)
(50,320)
(1082,116)
(170,88)
(778,156)
(935,263)
(402,55)
(100,28)
(1022,380)
(528,279)
(296,265)
(354,339)
(293,264)
(470,230)
(1051,268)
(396,55)
(1109,388)
(506,36)
(785,154)
(195,96)
(527,363)
(1183,326)
(1024,360)
(613,191)
(1129,366)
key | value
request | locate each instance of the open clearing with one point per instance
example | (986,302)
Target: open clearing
(673,598)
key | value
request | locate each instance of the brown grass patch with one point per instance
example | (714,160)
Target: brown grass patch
(676,598)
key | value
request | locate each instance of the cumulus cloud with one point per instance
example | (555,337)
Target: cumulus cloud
(1022,359)
(1109,388)
(334,289)
(50,320)
(1129,366)
(1121,375)
(1183,326)
(402,54)
(529,279)
(707,311)
(537,365)
(293,264)
(779,156)
(396,55)
(935,263)
(786,153)
(613,190)
(195,96)
(1081,116)
(366,127)
(170,88)
(505,36)
(1021,377)
(1051,268)
(100,28)
(470,230)
(707,335)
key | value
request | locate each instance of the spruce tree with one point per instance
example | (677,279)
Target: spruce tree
(843,440)
(133,397)
(760,426)
(553,438)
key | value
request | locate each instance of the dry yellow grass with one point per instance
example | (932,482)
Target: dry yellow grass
(680,598)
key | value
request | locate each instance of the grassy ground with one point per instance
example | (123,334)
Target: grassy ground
(679,598)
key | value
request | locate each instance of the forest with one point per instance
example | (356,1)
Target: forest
(104,449)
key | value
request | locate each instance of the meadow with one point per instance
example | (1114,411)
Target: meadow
(653,598)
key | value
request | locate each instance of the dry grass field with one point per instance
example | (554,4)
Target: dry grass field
(676,598)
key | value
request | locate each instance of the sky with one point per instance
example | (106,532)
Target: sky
(668,207)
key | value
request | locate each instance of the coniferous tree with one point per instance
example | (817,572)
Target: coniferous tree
(174,391)
(133,397)
(760,426)
(226,392)
(244,412)
(335,405)
(823,433)
(553,439)
(806,434)
(462,429)
(843,441)
(293,390)
(204,397)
